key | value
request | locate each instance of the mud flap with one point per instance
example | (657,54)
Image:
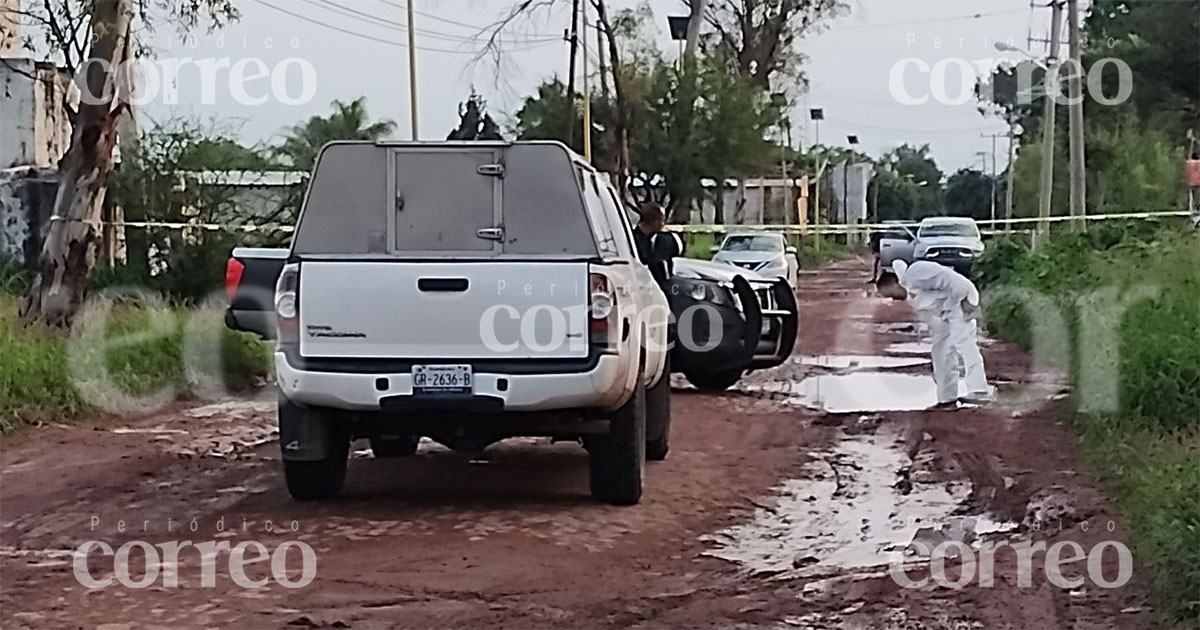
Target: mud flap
(752,312)
(304,434)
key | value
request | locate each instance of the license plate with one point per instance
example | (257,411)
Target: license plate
(442,379)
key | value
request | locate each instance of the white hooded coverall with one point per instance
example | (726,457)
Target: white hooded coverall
(939,294)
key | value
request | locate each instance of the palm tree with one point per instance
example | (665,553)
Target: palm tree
(349,121)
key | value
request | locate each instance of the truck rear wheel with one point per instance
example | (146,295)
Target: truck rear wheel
(714,381)
(401,445)
(315,452)
(617,461)
(658,417)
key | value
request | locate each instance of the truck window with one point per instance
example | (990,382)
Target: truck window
(345,209)
(616,216)
(606,237)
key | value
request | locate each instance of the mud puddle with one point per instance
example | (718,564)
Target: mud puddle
(857,507)
(222,430)
(909,348)
(857,392)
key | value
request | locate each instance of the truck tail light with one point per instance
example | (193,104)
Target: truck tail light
(287,304)
(602,311)
(233,276)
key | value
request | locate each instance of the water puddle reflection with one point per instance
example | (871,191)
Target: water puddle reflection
(857,508)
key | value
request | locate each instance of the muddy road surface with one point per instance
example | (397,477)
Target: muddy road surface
(784,504)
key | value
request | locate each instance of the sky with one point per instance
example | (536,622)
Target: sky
(355,48)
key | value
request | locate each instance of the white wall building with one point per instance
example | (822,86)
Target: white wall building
(34,130)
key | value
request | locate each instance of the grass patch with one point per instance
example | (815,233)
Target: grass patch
(123,361)
(1129,299)
(818,251)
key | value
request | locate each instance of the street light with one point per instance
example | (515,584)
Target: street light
(678,25)
(817,115)
(1046,185)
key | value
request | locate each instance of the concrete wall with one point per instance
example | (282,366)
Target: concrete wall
(33,124)
(26,201)
(768,202)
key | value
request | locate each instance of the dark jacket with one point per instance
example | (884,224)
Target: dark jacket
(659,268)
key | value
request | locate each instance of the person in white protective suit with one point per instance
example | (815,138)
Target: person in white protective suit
(949,304)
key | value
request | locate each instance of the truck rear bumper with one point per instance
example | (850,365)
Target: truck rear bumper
(602,387)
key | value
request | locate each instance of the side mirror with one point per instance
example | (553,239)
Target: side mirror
(791,249)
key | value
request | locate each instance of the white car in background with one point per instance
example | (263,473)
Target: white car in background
(766,254)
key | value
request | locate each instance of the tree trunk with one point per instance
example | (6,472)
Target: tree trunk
(72,241)
(623,161)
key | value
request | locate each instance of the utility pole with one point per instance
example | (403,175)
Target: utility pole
(1078,175)
(573,38)
(1012,162)
(694,21)
(993,136)
(412,68)
(1046,188)
(587,93)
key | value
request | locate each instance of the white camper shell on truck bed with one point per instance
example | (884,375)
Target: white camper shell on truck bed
(466,292)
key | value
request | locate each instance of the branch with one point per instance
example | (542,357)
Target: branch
(522,11)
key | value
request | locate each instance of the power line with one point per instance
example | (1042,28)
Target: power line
(973,16)
(475,27)
(381,40)
(368,18)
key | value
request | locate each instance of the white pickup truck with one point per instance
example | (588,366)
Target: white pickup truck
(465,292)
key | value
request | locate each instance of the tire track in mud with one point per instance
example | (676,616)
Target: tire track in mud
(437,541)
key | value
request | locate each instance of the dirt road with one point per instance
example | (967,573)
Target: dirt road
(782,505)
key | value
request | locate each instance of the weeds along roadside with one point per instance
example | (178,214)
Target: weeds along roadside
(1147,449)
(139,352)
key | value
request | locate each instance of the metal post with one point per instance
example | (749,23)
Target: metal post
(412,69)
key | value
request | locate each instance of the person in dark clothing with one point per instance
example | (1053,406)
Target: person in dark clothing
(652,222)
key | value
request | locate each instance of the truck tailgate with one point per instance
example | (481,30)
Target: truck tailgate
(451,310)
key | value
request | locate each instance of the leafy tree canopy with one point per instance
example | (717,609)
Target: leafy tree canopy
(474,123)
(349,121)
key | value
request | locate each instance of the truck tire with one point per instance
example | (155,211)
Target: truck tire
(321,476)
(401,445)
(617,460)
(658,417)
(713,381)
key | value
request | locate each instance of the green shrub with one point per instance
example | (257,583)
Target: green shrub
(13,279)
(1147,451)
